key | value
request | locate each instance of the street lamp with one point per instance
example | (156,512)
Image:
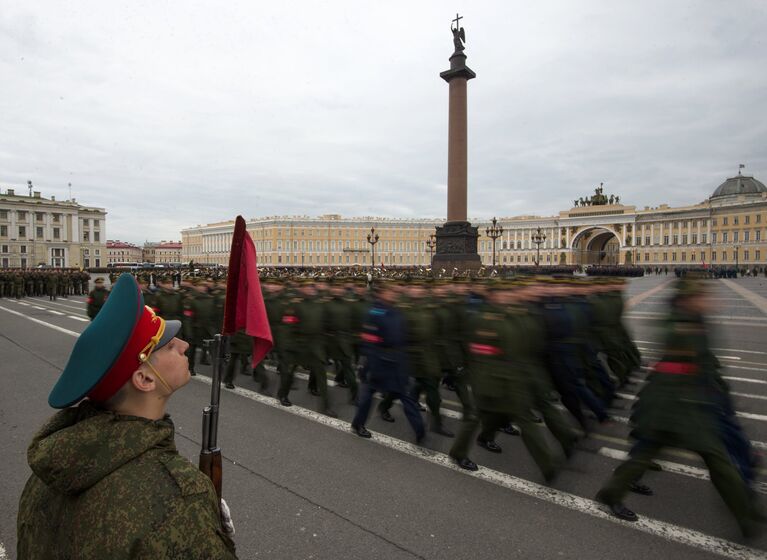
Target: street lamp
(494,232)
(538,238)
(431,243)
(736,260)
(372,239)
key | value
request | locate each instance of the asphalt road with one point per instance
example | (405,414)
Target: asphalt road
(301,485)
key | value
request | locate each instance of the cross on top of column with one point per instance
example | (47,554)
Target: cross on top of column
(457,21)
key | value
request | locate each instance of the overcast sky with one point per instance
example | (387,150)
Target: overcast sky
(172,114)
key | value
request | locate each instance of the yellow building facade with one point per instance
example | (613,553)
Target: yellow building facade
(728,228)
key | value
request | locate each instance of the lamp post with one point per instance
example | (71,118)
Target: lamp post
(737,264)
(431,243)
(494,232)
(538,238)
(372,239)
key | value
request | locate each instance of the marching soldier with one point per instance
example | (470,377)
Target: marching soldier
(97,298)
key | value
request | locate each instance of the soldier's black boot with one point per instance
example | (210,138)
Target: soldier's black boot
(616,508)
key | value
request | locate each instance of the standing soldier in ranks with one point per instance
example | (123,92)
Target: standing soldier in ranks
(52,285)
(18,285)
(29,281)
(339,310)
(680,407)
(2,285)
(97,298)
(40,285)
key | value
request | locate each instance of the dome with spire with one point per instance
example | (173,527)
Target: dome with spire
(740,184)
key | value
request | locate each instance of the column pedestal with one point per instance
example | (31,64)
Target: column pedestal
(456,247)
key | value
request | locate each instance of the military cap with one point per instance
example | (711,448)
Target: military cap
(98,281)
(121,337)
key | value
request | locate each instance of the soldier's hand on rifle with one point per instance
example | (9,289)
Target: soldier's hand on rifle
(226,518)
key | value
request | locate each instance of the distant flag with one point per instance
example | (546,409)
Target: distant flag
(244,307)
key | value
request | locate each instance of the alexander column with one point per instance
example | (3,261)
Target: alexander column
(457,238)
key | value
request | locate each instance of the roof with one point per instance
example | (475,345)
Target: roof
(120,245)
(740,184)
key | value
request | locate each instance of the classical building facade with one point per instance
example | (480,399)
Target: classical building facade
(43,231)
(123,252)
(728,228)
(161,252)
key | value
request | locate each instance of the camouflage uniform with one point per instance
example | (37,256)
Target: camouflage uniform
(111,486)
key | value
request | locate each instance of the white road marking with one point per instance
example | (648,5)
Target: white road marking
(38,307)
(661,529)
(20,302)
(644,349)
(3,555)
(78,318)
(55,312)
(719,349)
(758,301)
(38,321)
(675,468)
(744,379)
(747,396)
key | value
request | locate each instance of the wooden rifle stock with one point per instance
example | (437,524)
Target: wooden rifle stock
(210,454)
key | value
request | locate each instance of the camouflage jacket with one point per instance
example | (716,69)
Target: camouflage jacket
(112,486)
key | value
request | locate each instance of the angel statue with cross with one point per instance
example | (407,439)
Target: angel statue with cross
(459,35)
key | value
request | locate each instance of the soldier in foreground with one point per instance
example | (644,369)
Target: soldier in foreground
(681,406)
(107,479)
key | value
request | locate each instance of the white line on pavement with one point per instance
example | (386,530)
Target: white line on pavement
(675,468)
(20,302)
(78,318)
(747,396)
(654,527)
(3,555)
(38,307)
(718,349)
(38,321)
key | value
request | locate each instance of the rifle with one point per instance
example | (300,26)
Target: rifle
(210,455)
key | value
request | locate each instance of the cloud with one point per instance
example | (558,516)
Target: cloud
(175,114)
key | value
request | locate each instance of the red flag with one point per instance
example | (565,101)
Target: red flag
(244,307)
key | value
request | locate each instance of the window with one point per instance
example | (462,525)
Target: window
(746,235)
(3,214)
(676,239)
(692,256)
(647,240)
(757,235)
(724,255)
(39,232)
(713,255)
(56,218)
(724,237)
(703,256)
(4,249)
(96,236)
(684,239)
(746,219)
(745,255)
(21,215)
(673,256)
(757,255)
(22,231)
(85,236)
(703,237)
(3,231)
(5,263)
(713,221)
(735,236)
(647,257)
(57,233)
(735,220)
(39,216)
(23,249)
(758,218)
(665,239)
(684,256)
(694,238)
(724,222)
(23,263)
(95,224)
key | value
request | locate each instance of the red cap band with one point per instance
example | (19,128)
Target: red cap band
(146,327)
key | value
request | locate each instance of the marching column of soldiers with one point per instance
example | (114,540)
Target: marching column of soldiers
(524,356)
